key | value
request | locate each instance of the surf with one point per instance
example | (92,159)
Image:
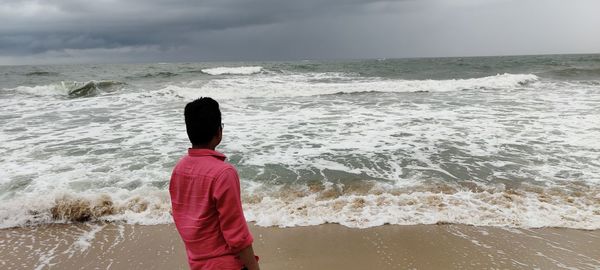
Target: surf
(72,89)
(303,85)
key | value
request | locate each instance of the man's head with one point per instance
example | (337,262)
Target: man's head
(203,122)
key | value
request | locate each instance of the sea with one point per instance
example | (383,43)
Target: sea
(511,141)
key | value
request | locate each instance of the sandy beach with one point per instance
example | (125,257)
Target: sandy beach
(123,246)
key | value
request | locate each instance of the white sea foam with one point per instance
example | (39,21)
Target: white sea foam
(233,70)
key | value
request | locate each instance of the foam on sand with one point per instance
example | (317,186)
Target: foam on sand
(384,247)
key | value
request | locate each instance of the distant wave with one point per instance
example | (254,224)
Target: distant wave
(41,73)
(71,89)
(162,74)
(335,83)
(576,73)
(233,70)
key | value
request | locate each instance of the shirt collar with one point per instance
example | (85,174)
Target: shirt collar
(197,152)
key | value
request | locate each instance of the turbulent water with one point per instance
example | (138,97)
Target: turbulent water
(501,141)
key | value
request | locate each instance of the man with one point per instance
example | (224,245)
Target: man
(205,197)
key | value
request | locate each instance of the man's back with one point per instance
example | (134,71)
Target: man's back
(205,197)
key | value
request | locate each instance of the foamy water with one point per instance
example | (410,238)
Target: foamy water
(358,144)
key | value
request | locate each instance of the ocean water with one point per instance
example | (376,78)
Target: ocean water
(500,141)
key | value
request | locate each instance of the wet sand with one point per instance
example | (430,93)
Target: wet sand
(122,246)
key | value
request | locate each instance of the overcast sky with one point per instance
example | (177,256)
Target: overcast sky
(82,31)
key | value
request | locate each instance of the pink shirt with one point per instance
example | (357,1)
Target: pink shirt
(207,209)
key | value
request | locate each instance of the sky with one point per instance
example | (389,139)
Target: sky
(110,31)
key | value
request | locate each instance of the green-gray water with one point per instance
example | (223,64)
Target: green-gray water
(506,141)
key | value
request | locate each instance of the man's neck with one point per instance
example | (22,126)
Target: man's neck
(204,146)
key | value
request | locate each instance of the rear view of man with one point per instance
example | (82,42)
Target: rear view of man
(205,197)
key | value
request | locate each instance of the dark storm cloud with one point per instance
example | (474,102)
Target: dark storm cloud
(58,31)
(38,26)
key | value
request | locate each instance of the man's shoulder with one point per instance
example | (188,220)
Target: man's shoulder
(227,167)
(214,165)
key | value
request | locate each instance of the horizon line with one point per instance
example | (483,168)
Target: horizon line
(298,60)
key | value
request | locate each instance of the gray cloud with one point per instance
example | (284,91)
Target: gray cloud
(62,31)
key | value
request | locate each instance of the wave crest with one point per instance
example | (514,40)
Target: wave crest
(244,70)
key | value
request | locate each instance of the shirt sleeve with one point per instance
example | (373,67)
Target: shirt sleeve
(226,193)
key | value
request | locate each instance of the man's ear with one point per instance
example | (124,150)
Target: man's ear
(219,135)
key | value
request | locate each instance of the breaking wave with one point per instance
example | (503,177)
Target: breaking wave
(233,70)
(71,89)
(534,208)
(530,207)
(64,208)
(328,84)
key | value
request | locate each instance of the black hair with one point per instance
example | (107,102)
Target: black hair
(202,120)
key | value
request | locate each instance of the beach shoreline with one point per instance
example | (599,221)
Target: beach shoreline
(329,246)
